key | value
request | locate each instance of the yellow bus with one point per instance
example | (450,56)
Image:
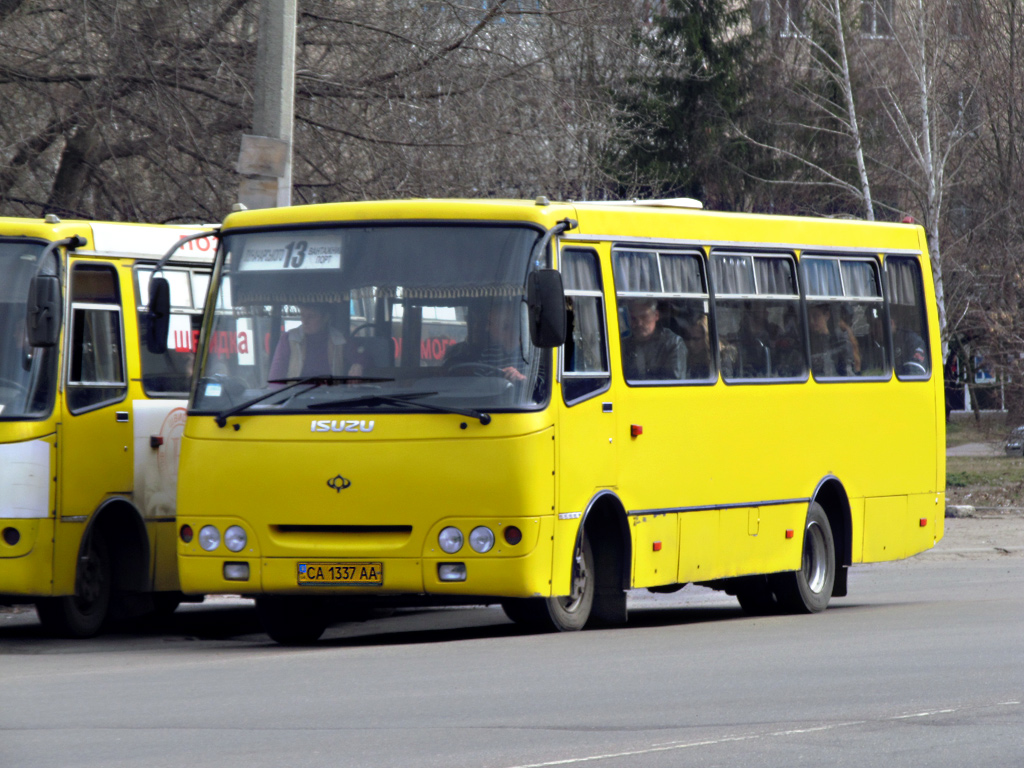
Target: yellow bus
(90,421)
(548,404)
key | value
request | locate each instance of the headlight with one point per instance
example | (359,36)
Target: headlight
(481,539)
(235,538)
(209,538)
(450,540)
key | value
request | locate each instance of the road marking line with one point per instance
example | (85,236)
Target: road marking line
(677,745)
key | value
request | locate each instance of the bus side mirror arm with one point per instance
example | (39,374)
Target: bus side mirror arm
(158,313)
(545,299)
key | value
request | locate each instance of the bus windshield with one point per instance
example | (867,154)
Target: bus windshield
(27,375)
(385,318)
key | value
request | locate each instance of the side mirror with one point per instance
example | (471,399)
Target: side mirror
(545,299)
(44,311)
(158,315)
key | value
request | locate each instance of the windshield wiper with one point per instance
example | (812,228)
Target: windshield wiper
(402,399)
(289,384)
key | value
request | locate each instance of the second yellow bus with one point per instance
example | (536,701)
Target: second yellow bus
(548,404)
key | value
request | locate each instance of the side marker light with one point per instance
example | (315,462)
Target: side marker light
(636,430)
(657,546)
(789,533)
(924,521)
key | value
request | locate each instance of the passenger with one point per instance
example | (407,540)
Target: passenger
(755,341)
(846,329)
(698,347)
(498,347)
(787,346)
(909,350)
(312,349)
(651,351)
(831,353)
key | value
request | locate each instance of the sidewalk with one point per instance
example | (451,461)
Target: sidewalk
(976,449)
(981,535)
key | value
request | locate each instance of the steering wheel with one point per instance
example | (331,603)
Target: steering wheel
(476,369)
(362,327)
(912,369)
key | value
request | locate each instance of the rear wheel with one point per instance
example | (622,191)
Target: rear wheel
(809,589)
(756,596)
(292,620)
(83,613)
(561,614)
(165,603)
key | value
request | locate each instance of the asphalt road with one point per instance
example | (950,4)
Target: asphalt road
(922,665)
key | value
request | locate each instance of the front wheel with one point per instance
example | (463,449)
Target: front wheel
(292,620)
(561,614)
(83,613)
(809,589)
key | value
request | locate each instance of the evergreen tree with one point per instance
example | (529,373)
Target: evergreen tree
(699,55)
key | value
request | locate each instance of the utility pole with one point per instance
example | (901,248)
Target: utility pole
(265,158)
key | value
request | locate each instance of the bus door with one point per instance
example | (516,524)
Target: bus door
(96,433)
(587,420)
(586,432)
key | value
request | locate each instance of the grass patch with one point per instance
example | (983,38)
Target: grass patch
(963,428)
(996,481)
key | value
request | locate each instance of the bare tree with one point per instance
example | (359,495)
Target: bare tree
(920,80)
(818,130)
(133,109)
(123,106)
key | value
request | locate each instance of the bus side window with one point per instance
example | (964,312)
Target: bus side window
(170,373)
(844,311)
(906,317)
(585,353)
(663,303)
(760,333)
(96,372)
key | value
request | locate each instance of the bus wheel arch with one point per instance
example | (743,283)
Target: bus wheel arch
(831,496)
(606,527)
(808,589)
(120,524)
(602,557)
(113,556)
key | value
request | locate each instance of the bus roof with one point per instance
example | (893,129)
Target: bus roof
(667,221)
(119,239)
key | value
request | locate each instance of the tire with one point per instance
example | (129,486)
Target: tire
(809,589)
(84,613)
(756,596)
(569,613)
(165,603)
(292,620)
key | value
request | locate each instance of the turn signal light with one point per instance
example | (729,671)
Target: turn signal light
(513,535)
(186,534)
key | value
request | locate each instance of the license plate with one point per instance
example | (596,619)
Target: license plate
(353,574)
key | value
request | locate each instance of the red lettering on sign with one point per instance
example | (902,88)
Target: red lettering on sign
(204,244)
(232,343)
